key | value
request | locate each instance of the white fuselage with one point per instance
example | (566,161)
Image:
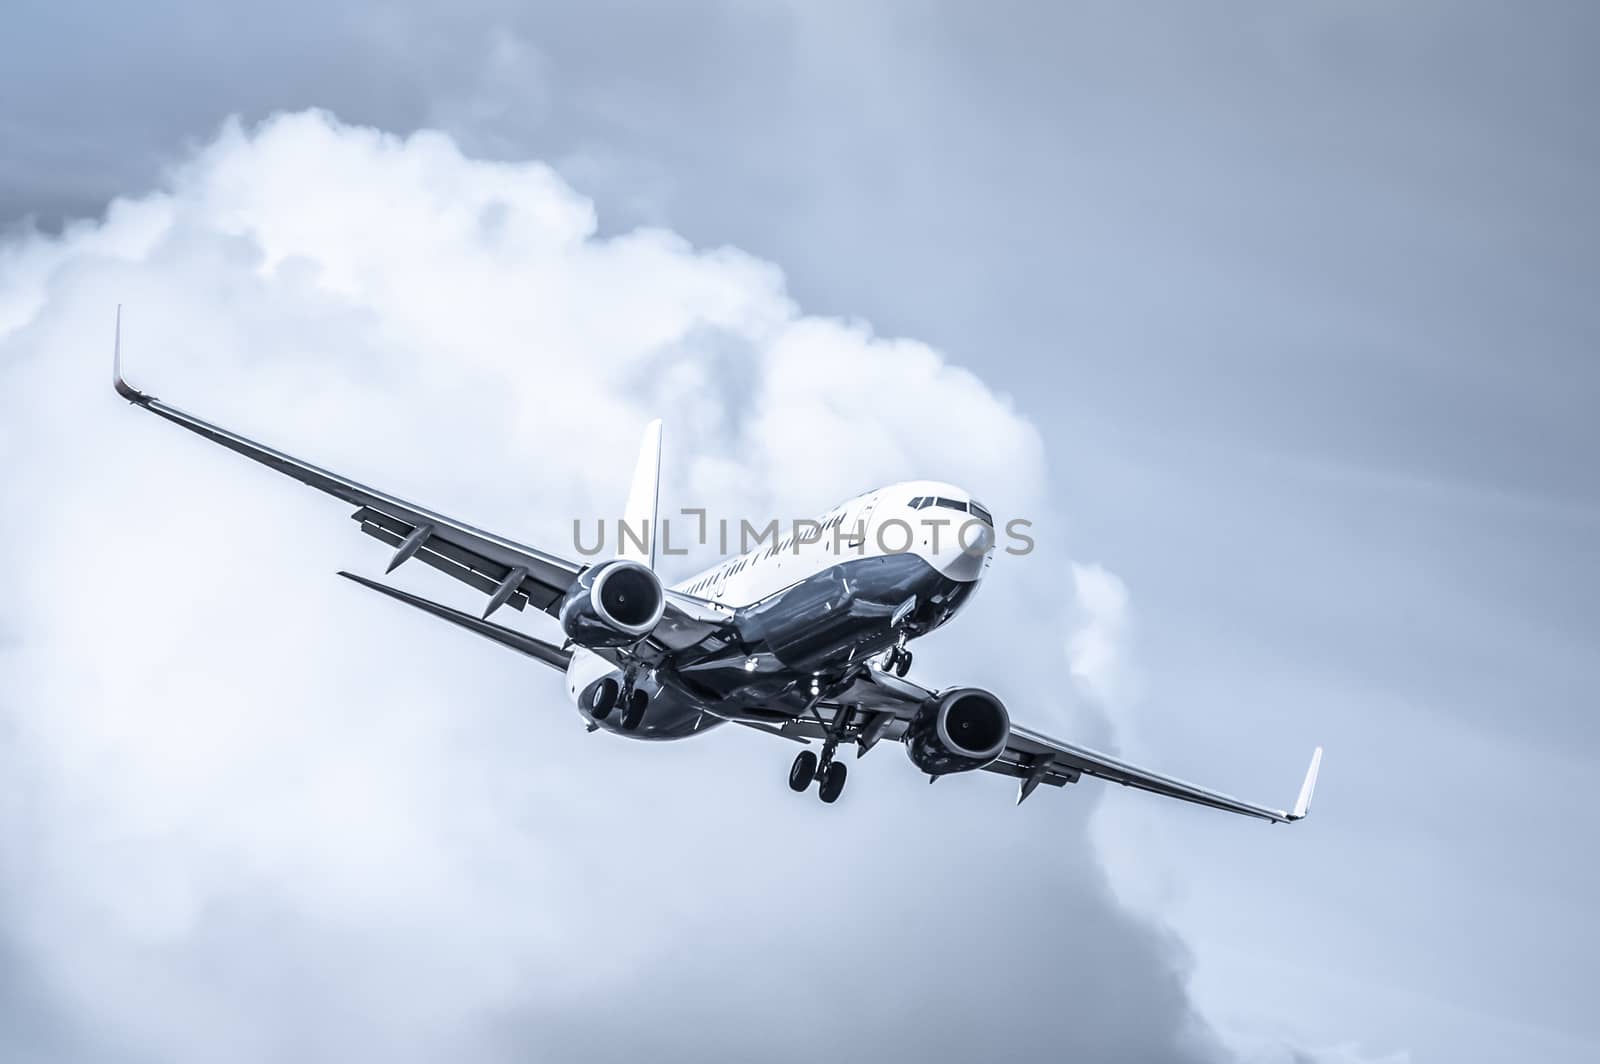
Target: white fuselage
(937,522)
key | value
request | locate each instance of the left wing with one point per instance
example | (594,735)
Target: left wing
(885,703)
(556,657)
(510,573)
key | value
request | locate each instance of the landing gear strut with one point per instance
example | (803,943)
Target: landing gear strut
(829,773)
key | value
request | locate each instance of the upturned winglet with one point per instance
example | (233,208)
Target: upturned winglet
(1302,804)
(124,389)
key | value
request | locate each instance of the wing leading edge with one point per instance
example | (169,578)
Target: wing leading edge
(511,573)
(1039,749)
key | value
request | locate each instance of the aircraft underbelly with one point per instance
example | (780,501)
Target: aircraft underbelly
(823,625)
(851,611)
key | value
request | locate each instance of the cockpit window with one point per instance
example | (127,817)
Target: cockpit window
(915,504)
(981,514)
(951,504)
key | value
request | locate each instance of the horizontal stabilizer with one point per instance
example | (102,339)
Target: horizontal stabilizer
(549,653)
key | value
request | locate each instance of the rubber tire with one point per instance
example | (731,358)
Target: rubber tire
(604,698)
(638,702)
(803,771)
(903,666)
(832,782)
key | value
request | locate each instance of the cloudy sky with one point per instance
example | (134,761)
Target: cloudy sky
(1276,318)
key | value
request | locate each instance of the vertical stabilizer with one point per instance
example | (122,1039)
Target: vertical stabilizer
(637,537)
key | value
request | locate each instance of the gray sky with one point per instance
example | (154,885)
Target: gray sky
(1300,303)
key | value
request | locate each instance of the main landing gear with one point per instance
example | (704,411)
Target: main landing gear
(832,784)
(897,660)
(831,773)
(633,716)
(803,771)
(604,698)
(608,695)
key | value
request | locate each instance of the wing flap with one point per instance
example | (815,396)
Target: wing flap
(429,555)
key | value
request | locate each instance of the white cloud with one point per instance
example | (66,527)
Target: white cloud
(1097,647)
(1262,1050)
(257,813)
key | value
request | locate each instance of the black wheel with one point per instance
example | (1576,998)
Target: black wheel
(903,664)
(832,782)
(803,771)
(638,702)
(603,698)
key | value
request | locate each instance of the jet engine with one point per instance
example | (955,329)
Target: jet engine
(613,604)
(956,731)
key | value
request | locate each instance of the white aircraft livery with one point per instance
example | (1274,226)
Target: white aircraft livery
(806,639)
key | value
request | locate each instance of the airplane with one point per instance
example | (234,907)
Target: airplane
(805,639)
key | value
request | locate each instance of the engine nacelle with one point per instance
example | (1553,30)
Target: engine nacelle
(957,731)
(613,604)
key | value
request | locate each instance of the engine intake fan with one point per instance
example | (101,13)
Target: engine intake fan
(957,731)
(613,605)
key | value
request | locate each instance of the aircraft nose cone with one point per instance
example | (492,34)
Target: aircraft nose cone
(961,555)
(978,538)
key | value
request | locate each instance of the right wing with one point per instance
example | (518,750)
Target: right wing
(1029,751)
(886,704)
